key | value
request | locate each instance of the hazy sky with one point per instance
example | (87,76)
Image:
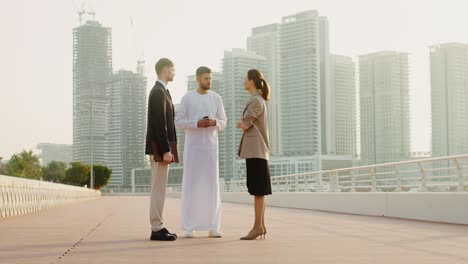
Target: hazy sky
(36,48)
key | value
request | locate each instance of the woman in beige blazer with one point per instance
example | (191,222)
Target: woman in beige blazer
(254,147)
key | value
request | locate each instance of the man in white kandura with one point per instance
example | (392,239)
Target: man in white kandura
(201,114)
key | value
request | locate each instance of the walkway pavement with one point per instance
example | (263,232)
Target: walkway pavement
(116,230)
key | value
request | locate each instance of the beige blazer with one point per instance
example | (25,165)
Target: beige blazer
(254,142)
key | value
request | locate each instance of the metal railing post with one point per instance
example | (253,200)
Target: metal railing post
(461,182)
(353,183)
(374,182)
(295,183)
(333,181)
(397,172)
(423,177)
(319,182)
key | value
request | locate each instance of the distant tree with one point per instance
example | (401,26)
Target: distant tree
(102,175)
(77,174)
(55,171)
(2,170)
(25,165)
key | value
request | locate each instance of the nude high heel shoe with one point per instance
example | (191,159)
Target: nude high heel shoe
(253,234)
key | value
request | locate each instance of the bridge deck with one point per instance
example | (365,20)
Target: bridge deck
(116,230)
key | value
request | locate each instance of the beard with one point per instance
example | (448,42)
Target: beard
(206,88)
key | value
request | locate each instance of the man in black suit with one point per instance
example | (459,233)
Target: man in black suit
(161,146)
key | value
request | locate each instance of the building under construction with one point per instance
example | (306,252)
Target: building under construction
(92,73)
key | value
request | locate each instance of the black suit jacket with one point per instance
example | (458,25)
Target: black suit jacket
(161,134)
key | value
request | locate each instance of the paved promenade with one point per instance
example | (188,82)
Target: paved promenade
(115,229)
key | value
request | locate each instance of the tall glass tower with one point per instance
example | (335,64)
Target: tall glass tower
(92,72)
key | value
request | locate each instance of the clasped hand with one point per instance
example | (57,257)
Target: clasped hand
(204,123)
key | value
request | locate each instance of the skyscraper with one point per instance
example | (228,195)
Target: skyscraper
(236,63)
(126,126)
(264,42)
(92,72)
(301,48)
(55,152)
(327,97)
(384,102)
(343,106)
(449,99)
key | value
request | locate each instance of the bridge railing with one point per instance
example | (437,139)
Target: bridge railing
(21,196)
(442,174)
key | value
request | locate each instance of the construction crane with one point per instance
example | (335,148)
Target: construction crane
(82,11)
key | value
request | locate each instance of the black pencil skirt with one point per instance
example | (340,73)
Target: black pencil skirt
(258,177)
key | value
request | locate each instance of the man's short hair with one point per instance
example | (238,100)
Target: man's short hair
(163,62)
(202,70)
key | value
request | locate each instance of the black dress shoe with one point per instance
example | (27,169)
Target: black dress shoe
(167,232)
(162,236)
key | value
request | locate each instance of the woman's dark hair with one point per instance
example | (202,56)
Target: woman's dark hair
(260,83)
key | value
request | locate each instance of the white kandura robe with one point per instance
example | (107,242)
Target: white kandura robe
(201,203)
